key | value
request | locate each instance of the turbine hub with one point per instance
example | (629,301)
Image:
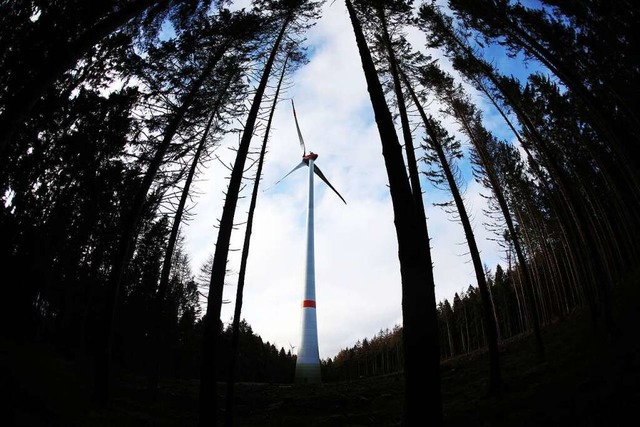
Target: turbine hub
(311,156)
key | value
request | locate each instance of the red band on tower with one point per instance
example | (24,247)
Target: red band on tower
(309,303)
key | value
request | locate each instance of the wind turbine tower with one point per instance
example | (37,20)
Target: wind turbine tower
(308,361)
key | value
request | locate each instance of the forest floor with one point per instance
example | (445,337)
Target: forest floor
(587,378)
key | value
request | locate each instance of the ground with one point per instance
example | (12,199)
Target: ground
(588,377)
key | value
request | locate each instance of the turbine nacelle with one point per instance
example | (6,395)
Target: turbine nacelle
(311,156)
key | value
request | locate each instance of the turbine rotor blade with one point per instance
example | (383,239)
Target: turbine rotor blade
(318,172)
(301,164)
(295,117)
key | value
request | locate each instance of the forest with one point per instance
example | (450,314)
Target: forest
(107,119)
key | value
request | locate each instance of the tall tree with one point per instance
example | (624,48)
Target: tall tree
(470,122)
(560,171)
(389,19)
(447,149)
(226,30)
(229,412)
(284,14)
(420,325)
(211,127)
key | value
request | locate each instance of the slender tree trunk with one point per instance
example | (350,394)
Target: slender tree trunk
(235,337)
(129,229)
(517,290)
(163,286)
(211,353)
(495,383)
(490,320)
(420,323)
(497,191)
(466,326)
(450,340)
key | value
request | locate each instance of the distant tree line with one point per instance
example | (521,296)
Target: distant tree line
(379,355)
(110,111)
(460,328)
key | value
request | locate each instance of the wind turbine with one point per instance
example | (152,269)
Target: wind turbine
(308,361)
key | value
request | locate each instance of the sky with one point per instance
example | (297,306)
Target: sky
(358,284)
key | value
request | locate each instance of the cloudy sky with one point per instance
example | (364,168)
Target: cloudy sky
(358,288)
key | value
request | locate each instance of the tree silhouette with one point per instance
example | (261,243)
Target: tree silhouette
(419,324)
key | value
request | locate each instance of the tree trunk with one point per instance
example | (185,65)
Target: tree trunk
(495,383)
(495,378)
(420,323)
(163,286)
(497,191)
(210,352)
(235,337)
(129,229)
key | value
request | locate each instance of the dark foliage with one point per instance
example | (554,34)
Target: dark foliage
(102,106)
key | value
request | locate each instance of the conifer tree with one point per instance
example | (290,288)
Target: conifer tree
(284,13)
(418,294)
